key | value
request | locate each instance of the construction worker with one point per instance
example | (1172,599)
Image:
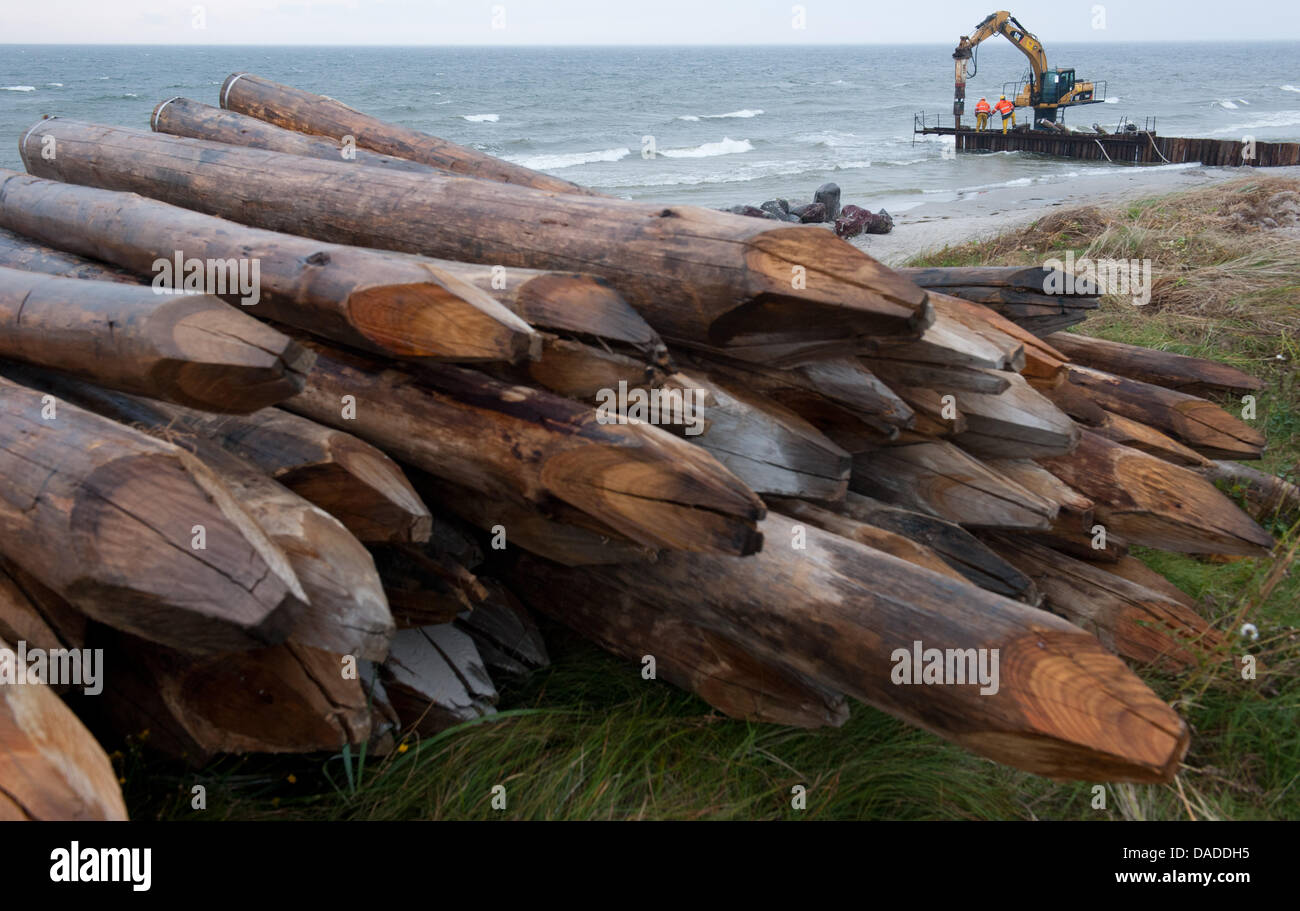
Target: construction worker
(982,112)
(1007,110)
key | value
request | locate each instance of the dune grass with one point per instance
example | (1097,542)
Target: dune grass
(589,739)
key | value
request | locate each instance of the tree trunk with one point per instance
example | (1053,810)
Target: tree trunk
(1192,375)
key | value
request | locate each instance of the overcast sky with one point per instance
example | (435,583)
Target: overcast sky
(515,22)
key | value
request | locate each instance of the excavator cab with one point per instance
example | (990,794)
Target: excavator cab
(1057,84)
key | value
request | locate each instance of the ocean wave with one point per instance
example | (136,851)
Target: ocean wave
(481,118)
(745,114)
(690,117)
(1226,104)
(851,165)
(1288,88)
(759,170)
(1276,119)
(1114,100)
(555,161)
(830,139)
(54,85)
(1242,101)
(725,146)
(17,88)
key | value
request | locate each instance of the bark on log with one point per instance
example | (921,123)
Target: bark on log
(1135,622)
(294,109)
(520,443)
(51,768)
(1148,501)
(1192,375)
(1202,425)
(1023,278)
(30,612)
(345,610)
(842,613)
(106,517)
(366,298)
(735,286)
(193,349)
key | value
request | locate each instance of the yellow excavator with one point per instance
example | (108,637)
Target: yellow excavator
(1046,91)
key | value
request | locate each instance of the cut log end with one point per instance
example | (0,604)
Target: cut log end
(429,320)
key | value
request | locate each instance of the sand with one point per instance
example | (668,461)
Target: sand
(934,225)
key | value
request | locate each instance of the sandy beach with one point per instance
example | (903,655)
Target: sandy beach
(986,212)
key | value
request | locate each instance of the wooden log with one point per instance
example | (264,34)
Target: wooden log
(872,536)
(579,371)
(520,443)
(182,116)
(1133,621)
(737,288)
(848,617)
(1201,425)
(998,299)
(1268,497)
(947,342)
(1137,435)
(285,699)
(936,414)
(1137,572)
(294,109)
(106,516)
(1018,422)
(425,586)
(435,679)
(32,613)
(365,298)
(1075,511)
(194,349)
(939,479)
(1191,375)
(19,252)
(767,446)
(343,475)
(707,662)
(504,632)
(954,545)
(51,766)
(1148,501)
(1024,278)
(344,610)
(933,376)
(555,531)
(1041,359)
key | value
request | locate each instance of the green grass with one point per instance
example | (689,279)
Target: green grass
(589,739)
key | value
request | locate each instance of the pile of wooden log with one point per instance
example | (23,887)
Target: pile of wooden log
(313,509)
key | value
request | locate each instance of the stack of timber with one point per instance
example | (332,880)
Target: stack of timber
(318,511)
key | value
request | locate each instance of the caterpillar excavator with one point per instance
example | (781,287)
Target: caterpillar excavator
(1046,91)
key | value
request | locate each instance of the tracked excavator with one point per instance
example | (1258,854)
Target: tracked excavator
(1046,90)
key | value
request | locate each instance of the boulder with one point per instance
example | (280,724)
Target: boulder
(777,207)
(751,211)
(880,223)
(852,221)
(812,213)
(828,194)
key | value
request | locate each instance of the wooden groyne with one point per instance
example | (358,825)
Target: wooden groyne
(1139,147)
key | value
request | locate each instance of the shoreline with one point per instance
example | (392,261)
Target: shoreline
(986,212)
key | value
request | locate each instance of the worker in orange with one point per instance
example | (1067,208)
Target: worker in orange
(982,112)
(1007,110)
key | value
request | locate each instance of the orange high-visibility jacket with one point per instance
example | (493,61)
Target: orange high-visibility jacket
(1004,107)
(982,107)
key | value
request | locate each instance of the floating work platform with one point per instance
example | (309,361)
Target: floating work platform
(1139,147)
